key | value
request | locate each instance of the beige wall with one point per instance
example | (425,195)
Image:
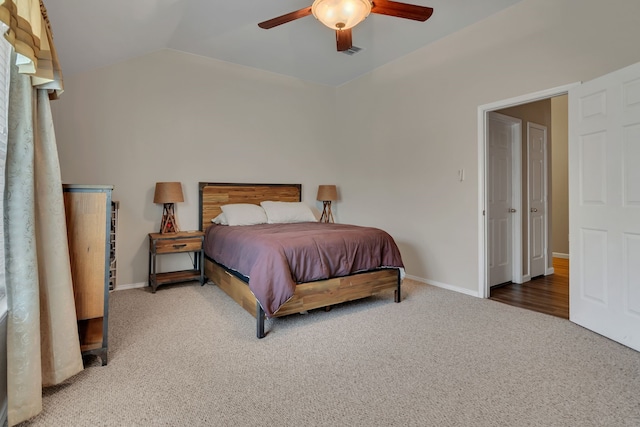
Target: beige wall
(412,124)
(560,175)
(394,147)
(170,116)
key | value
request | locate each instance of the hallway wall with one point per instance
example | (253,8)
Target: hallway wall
(560,175)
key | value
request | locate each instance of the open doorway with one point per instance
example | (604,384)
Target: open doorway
(545,209)
(539,211)
(604,195)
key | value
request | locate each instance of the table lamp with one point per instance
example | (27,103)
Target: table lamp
(168,193)
(327,193)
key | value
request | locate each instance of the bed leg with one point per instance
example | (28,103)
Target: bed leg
(398,293)
(259,320)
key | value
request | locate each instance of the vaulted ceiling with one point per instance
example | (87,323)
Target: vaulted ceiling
(92,34)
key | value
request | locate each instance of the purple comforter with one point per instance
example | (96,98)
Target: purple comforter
(277,256)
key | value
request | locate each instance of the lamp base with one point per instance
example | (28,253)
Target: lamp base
(327,216)
(169,222)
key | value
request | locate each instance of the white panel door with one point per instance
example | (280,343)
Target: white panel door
(537,185)
(604,205)
(500,208)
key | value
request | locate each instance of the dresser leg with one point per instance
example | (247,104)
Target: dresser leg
(103,356)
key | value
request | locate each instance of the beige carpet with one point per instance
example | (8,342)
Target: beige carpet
(188,356)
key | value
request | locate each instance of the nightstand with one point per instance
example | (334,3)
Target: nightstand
(173,243)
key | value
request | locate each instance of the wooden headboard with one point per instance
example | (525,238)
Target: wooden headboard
(215,194)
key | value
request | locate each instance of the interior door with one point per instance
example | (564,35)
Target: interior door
(604,205)
(537,185)
(500,208)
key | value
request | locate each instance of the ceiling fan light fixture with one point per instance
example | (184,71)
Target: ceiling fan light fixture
(341,14)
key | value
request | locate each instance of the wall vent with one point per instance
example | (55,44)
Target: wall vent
(352,50)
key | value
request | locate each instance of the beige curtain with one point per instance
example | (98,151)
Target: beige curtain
(42,337)
(30,34)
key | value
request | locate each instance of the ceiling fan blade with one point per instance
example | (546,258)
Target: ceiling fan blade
(401,10)
(343,39)
(285,18)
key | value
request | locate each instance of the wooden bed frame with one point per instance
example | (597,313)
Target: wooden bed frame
(307,296)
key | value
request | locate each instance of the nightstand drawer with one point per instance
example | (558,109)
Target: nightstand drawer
(178,245)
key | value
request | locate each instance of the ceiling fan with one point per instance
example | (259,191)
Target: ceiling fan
(342,15)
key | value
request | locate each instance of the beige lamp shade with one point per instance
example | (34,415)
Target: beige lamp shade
(327,192)
(341,14)
(168,192)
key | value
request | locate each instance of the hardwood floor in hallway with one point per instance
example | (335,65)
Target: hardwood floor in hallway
(545,294)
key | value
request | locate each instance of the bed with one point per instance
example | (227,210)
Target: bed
(306,295)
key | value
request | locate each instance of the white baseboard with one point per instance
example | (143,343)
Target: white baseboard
(4,415)
(131,286)
(560,255)
(3,374)
(408,276)
(549,271)
(444,286)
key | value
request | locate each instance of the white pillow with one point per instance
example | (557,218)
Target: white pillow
(283,212)
(244,214)
(220,219)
